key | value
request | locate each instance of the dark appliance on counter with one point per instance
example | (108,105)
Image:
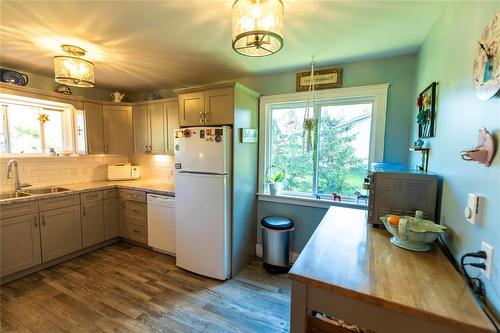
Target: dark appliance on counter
(401,192)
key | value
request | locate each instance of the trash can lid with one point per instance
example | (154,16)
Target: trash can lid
(276,223)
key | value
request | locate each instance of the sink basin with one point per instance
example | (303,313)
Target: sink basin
(45,190)
(12,195)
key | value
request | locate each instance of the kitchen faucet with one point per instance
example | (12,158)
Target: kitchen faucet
(19,185)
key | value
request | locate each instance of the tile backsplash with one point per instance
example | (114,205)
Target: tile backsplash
(47,171)
(159,167)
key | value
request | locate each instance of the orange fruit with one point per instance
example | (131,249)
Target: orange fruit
(393,220)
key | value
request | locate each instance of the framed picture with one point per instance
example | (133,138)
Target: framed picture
(325,78)
(248,135)
(426,104)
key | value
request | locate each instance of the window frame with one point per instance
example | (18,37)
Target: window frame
(67,121)
(375,94)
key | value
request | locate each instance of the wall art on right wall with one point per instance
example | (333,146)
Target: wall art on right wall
(426,103)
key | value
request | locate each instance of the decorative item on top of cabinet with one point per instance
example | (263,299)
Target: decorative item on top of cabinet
(484,151)
(63,89)
(426,103)
(117,96)
(486,68)
(13,77)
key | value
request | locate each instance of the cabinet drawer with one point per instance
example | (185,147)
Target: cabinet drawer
(18,209)
(133,195)
(110,193)
(136,232)
(59,202)
(91,196)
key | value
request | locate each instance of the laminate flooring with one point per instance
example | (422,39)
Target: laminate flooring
(126,288)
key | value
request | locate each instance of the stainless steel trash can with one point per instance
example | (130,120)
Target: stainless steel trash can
(276,235)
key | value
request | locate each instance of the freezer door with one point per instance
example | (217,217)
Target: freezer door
(202,224)
(203,149)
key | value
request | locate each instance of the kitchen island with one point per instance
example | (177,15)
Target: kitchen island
(350,271)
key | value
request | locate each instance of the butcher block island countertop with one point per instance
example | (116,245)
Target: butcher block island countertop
(352,260)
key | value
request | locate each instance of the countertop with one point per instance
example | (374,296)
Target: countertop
(148,185)
(350,258)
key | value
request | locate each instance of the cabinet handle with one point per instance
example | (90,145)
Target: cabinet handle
(89,148)
(95,195)
(207,116)
(201,117)
(43,219)
(135,211)
(150,148)
(106,148)
(35,221)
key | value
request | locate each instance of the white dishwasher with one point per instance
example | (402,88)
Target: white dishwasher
(161,223)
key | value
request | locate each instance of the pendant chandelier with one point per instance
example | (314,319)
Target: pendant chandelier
(73,70)
(257,27)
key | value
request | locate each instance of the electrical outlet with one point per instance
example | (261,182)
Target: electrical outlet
(489,259)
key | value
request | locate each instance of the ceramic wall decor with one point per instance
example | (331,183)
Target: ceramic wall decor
(426,103)
(63,89)
(13,77)
(117,96)
(484,151)
(486,68)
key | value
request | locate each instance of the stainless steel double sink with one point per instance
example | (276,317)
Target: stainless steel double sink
(33,191)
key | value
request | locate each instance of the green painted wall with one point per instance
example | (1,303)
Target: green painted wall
(447,57)
(46,83)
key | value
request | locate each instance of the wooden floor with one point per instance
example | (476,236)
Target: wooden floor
(125,288)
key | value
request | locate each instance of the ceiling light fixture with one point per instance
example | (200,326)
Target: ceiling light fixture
(72,70)
(257,27)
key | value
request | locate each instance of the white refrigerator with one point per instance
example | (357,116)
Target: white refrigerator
(202,159)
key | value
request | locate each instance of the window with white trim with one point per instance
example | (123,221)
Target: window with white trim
(35,127)
(349,136)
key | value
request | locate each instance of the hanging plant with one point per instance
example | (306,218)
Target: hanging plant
(310,122)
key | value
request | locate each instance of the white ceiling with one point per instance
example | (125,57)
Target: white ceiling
(141,45)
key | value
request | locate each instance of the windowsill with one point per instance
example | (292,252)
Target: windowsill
(309,202)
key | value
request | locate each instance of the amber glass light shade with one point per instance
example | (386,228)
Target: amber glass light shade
(257,27)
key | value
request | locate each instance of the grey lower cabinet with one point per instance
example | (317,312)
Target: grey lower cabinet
(61,232)
(133,216)
(111,218)
(20,243)
(92,222)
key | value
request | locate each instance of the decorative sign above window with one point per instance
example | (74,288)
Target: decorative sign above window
(325,78)
(248,135)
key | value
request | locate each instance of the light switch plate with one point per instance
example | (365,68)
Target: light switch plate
(474,209)
(489,259)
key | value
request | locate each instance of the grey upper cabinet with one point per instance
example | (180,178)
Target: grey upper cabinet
(154,124)
(94,127)
(191,109)
(61,232)
(172,123)
(111,218)
(209,107)
(156,128)
(118,133)
(219,106)
(141,129)
(92,223)
(20,243)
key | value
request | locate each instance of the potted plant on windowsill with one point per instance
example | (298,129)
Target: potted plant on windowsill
(274,177)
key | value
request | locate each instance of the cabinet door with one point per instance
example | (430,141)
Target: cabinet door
(122,216)
(141,129)
(92,223)
(219,106)
(20,243)
(94,128)
(118,133)
(61,232)
(172,123)
(156,128)
(191,109)
(111,219)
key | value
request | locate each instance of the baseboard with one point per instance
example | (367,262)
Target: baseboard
(259,254)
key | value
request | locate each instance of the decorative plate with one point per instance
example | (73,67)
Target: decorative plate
(63,89)
(486,70)
(13,77)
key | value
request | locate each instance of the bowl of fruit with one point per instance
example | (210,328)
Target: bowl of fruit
(412,233)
